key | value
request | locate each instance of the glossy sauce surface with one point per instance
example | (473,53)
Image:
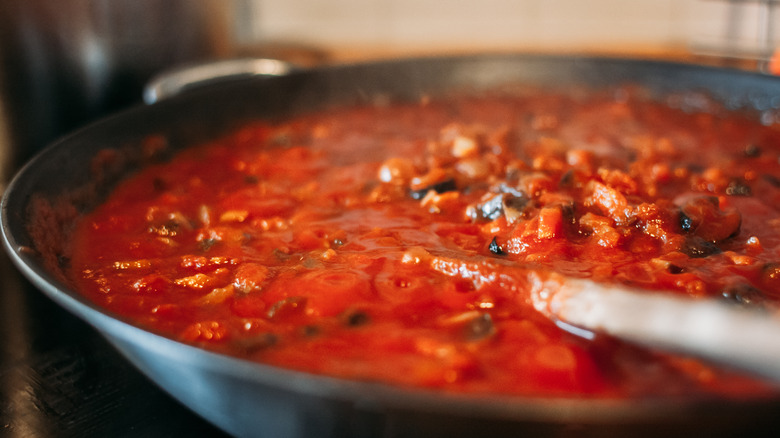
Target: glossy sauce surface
(393,242)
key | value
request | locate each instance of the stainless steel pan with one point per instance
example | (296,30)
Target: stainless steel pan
(250,399)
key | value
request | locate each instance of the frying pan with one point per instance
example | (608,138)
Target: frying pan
(250,399)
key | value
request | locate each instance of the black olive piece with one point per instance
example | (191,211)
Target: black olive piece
(491,209)
(686,223)
(674,269)
(258,342)
(480,327)
(207,244)
(356,319)
(168,229)
(738,188)
(505,188)
(495,248)
(251,179)
(159,185)
(63,261)
(744,295)
(752,151)
(567,179)
(310,330)
(474,187)
(770,272)
(695,168)
(448,185)
(518,203)
(516,206)
(567,211)
(281,139)
(697,247)
(771,179)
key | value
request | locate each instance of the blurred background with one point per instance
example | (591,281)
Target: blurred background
(64,63)
(634,26)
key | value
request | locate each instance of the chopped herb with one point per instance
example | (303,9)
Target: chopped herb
(282,256)
(311,263)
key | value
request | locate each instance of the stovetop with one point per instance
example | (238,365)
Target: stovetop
(59,377)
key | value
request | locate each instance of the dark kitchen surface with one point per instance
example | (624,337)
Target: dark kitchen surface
(58,377)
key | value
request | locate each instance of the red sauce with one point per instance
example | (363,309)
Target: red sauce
(392,242)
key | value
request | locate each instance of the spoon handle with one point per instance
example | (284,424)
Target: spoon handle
(735,337)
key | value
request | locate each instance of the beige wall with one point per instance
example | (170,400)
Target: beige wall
(502,24)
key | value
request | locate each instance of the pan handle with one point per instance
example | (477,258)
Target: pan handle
(176,81)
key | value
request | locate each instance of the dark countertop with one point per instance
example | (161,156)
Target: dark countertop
(58,377)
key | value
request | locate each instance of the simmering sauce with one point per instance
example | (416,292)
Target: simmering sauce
(392,242)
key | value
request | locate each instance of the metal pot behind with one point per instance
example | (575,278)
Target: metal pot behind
(65,63)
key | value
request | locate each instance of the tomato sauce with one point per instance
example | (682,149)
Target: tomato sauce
(392,242)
